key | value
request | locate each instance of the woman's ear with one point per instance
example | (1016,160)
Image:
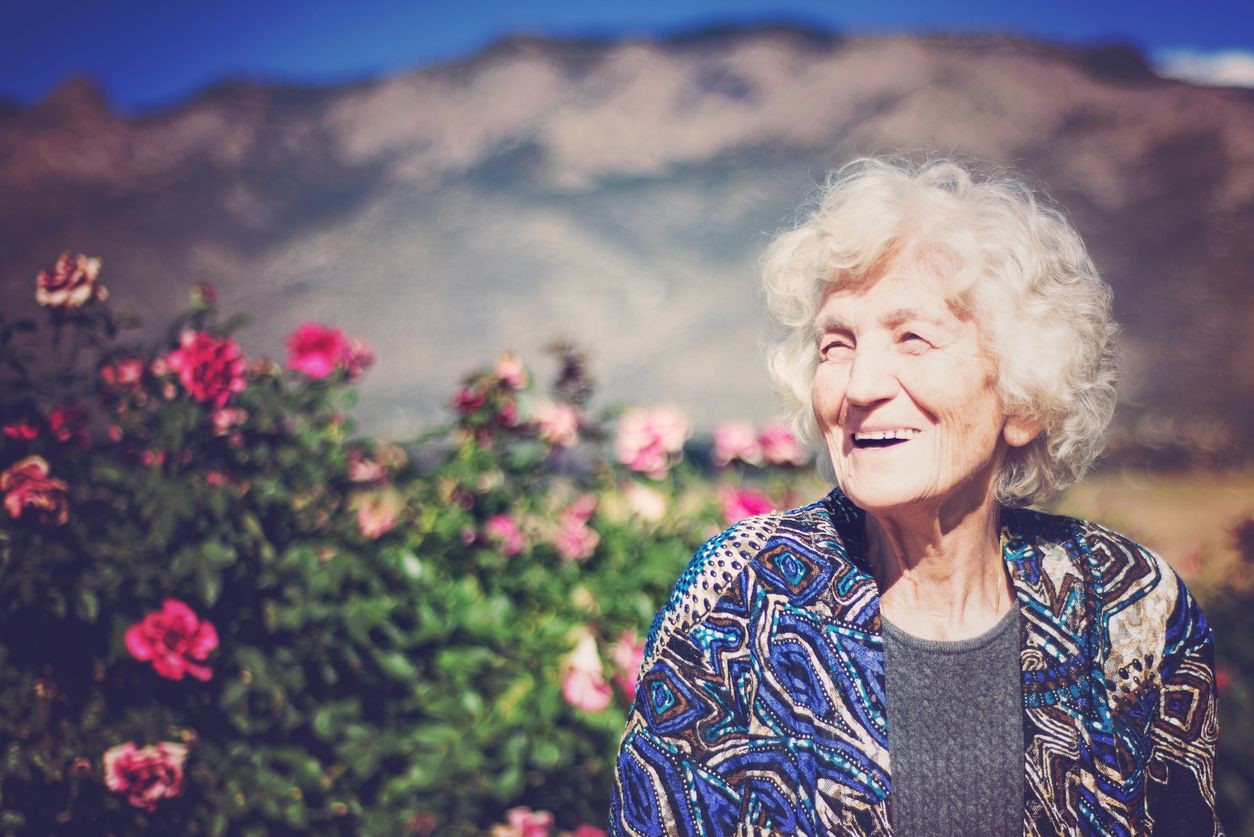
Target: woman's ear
(1020,430)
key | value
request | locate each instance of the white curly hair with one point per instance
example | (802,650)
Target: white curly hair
(1010,260)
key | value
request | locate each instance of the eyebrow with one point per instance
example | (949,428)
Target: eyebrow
(828,323)
(904,315)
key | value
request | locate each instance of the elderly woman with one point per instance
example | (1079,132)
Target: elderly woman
(919,653)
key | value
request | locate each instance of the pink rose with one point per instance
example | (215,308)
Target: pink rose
(145,774)
(210,368)
(70,283)
(575,540)
(26,484)
(504,532)
(316,351)
(651,440)
(583,680)
(557,423)
(23,431)
(735,440)
(510,371)
(378,512)
(360,358)
(739,503)
(524,822)
(780,447)
(175,640)
(628,656)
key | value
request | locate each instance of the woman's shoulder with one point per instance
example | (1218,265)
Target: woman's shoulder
(722,560)
(1134,584)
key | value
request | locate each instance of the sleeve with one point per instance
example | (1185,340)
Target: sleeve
(1184,732)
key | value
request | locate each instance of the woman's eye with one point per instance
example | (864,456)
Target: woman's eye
(914,340)
(833,348)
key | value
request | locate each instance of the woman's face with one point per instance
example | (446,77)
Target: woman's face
(905,397)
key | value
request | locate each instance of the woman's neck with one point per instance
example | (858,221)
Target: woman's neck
(941,577)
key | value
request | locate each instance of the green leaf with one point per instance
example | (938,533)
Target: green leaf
(87,605)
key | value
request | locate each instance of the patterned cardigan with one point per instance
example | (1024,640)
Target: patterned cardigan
(760,706)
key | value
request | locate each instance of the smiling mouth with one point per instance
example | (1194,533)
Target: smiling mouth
(883,438)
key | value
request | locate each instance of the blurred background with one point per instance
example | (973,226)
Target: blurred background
(451,180)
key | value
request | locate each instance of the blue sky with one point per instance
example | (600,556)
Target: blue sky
(150,53)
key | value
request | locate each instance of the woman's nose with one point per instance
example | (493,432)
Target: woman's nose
(872,377)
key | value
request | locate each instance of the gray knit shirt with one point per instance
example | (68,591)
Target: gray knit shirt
(955,732)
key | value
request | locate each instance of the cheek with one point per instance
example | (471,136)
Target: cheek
(826,394)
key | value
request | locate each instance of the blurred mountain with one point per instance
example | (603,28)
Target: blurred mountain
(618,193)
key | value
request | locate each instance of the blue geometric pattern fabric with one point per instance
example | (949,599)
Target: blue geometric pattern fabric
(761,710)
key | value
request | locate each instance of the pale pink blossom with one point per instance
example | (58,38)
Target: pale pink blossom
(557,423)
(226,418)
(364,470)
(583,678)
(378,512)
(524,822)
(70,283)
(646,503)
(651,439)
(145,774)
(736,440)
(123,374)
(739,503)
(503,531)
(28,484)
(628,656)
(575,539)
(780,446)
(510,371)
(152,458)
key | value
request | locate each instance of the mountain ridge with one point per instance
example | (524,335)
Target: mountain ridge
(549,187)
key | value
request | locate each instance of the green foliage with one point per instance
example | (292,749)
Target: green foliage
(386,659)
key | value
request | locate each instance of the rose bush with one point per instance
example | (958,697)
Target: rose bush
(229,614)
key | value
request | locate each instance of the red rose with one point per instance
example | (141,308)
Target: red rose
(210,368)
(69,422)
(145,774)
(26,484)
(23,431)
(70,283)
(175,640)
(316,351)
(468,400)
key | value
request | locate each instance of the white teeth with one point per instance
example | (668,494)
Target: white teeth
(885,434)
